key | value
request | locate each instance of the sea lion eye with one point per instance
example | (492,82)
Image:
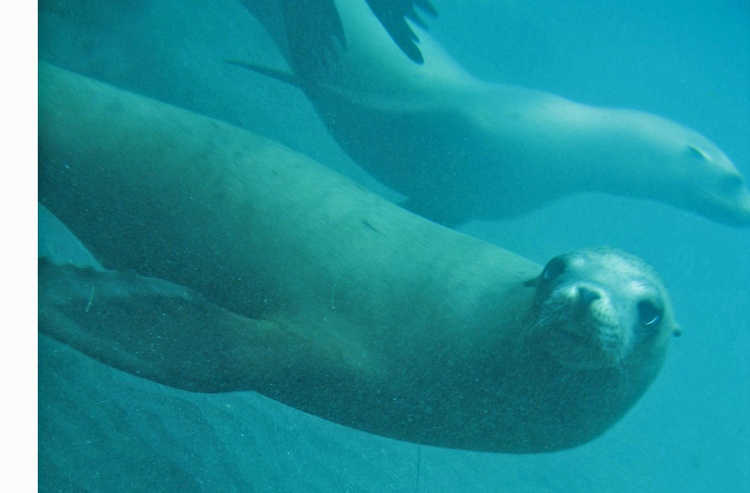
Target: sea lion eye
(649,314)
(696,152)
(553,269)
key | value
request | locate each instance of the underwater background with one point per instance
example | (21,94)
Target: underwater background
(104,430)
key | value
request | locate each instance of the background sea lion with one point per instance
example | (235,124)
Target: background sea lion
(366,315)
(461,148)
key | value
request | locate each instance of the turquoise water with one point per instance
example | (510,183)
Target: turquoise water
(104,430)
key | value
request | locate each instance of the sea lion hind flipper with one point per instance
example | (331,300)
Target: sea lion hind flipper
(145,326)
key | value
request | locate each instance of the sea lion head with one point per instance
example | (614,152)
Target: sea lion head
(656,158)
(704,179)
(601,308)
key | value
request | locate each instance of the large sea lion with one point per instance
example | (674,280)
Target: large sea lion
(461,148)
(282,277)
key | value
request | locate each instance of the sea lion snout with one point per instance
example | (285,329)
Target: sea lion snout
(586,296)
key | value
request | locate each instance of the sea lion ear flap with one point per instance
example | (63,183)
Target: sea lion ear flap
(676,331)
(533,282)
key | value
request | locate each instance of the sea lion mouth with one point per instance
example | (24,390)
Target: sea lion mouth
(728,201)
(583,329)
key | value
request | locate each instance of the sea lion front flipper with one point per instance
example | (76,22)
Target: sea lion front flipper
(279,75)
(392,14)
(145,326)
(314,29)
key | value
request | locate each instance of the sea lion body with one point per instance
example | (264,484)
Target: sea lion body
(327,298)
(461,148)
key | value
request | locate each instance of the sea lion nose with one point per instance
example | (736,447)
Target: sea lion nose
(587,295)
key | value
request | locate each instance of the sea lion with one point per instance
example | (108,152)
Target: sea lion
(326,298)
(461,148)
